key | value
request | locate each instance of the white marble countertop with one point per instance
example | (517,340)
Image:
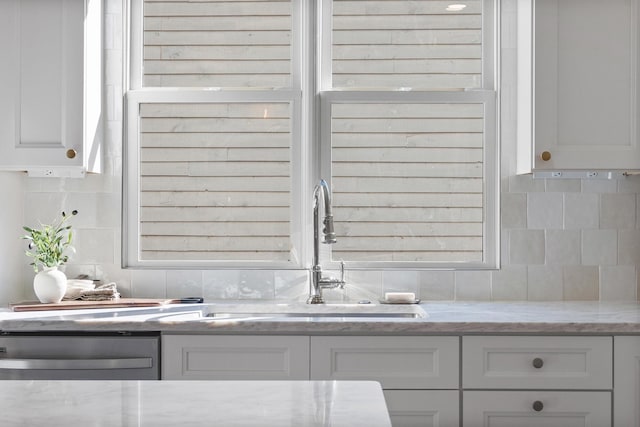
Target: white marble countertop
(439,318)
(193,403)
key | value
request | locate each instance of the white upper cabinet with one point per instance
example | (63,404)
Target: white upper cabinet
(578,85)
(51,85)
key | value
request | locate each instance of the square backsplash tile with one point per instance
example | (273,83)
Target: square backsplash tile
(618,283)
(618,211)
(581,211)
(400,281)
(526,247)
(473,285)
(149,283)
(292,285)
(599,247)
(509,283)
(436,285)
(544,283)
(544,210)
(184,283)
(239,284)
(581,283)
(562,247)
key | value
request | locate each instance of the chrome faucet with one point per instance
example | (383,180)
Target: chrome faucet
(318,282)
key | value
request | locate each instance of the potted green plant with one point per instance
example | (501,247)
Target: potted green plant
(49,246)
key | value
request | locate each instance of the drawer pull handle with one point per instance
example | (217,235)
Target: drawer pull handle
(538,363)
(537,406)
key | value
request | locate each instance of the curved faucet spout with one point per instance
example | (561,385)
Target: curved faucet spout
(329,237)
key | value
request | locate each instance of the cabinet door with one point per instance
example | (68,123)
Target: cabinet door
(536,409)
(585,84)
(626,393)
(423,408)
(50,78)
(219,357)
(537,362)
(396,362)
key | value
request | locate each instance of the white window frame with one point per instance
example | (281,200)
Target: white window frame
(311,99)
(137,94)
(490,165)
(487,95)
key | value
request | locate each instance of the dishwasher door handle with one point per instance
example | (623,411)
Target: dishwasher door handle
(75,364)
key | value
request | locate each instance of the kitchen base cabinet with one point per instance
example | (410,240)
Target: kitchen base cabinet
(556,381)
(396,362)
(407,367)
(536,409)
(423,408)
(410,369)
(440,381)
(626,391)
(581,363)
(246,357)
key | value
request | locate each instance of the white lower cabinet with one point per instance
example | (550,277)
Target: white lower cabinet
(626,393)
(396,362)
(419,375)
(224,357)
(423,408)
(581,363)
(536,409)
(440,381)
(537,381)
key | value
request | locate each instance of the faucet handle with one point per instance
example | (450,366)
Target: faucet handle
(342,282)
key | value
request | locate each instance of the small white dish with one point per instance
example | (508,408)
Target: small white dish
(415,301)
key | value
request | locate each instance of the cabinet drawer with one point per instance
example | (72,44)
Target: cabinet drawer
(423,408)
(219,357)
(537,362)
(396,362)
(552,408)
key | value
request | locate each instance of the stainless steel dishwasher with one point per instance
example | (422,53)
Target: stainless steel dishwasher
(79,356)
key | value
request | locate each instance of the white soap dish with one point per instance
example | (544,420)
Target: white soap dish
(415,301)
(400,298)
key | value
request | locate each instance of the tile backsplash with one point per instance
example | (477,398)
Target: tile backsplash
(561,239)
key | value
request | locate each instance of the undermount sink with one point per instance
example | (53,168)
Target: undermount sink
(275,311)
(330,315)
(253,311)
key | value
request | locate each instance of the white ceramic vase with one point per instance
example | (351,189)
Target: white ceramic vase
(50,285)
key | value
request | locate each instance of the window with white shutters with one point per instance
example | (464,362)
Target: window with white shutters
(231,117)
(409,125)
(211,133)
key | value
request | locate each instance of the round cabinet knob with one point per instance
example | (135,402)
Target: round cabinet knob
(538,406)
(546,156)
(71,153)
(538,363)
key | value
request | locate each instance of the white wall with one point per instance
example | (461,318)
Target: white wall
(561,239)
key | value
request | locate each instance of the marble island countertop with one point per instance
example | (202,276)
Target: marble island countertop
(193,403)
(297,318)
